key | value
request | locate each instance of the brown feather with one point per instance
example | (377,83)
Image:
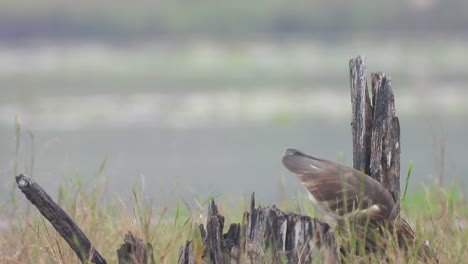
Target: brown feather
(355,200)
(340,190)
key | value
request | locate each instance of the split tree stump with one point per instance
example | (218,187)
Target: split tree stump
(271,236)
(375,127)
(266,235)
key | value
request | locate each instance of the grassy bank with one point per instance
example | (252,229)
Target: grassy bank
(438,214)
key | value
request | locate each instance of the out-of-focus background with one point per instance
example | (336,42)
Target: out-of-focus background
(200,98)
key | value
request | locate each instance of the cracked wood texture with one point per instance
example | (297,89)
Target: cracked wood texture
(266,235)
(375,127)
(60,220)
(361,121)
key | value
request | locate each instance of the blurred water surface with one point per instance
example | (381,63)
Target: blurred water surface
(214,118)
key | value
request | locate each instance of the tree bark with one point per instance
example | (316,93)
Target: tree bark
(60,220)
(362,112)
(266,235)
(385,144)
(375,128)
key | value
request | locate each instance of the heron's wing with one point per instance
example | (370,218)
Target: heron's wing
(340,190)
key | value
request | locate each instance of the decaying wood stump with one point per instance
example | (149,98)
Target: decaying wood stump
(266,235)
(135,251)
(375,127)
(362,112)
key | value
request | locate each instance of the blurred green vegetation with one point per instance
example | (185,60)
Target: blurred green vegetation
(226,19)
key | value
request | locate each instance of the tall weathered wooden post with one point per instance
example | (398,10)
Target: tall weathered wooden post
(375,127)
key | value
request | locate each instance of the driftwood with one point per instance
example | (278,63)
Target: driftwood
(266,235)
(75,238)
(133,250)
(375,127)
